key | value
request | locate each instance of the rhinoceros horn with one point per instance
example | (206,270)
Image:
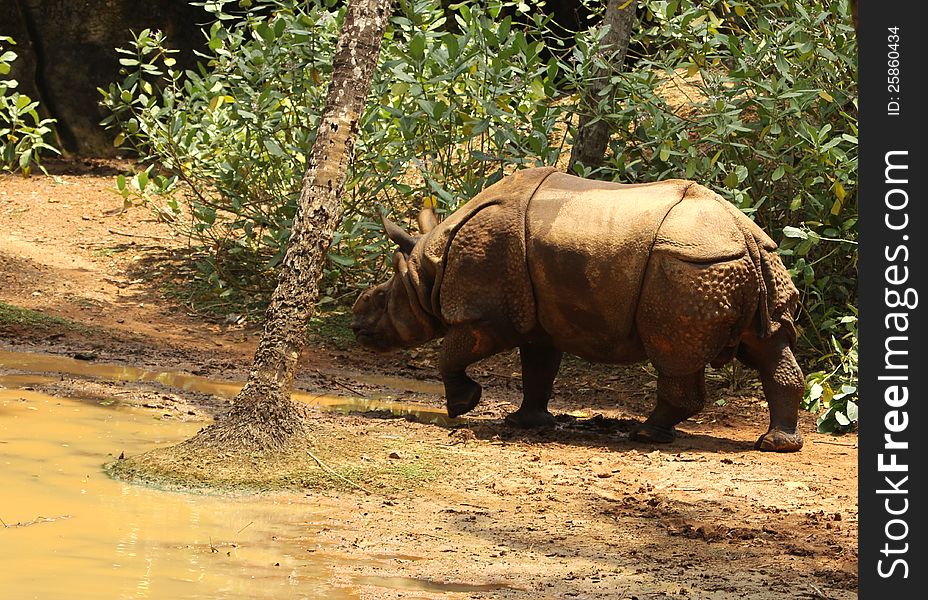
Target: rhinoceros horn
(398,234)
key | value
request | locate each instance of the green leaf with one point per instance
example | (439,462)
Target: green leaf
(267,34)
(778,173)
(852,410)
(274,148)
(451,43)
(280,26)
(345,261)
(741,172)
(417,46)
(24,159)
(794,232)
(537,90)
(731,180)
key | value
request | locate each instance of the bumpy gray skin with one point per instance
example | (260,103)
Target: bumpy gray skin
(550,263)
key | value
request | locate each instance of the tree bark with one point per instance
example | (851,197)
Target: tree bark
(263,417)
(589,146)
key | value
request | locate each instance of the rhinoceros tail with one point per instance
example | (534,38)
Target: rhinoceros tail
(778,298)
(782,297)
(763,306)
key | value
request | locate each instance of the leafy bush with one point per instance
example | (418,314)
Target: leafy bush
(22,131)
(230,140)
(757,101)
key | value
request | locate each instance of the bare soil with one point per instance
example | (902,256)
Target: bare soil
(469,508)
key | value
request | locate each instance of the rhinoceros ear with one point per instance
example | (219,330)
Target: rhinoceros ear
(398,234)
(427,219)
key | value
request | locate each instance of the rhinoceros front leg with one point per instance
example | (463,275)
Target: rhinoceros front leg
(462,347)
(678,398)
(539,368)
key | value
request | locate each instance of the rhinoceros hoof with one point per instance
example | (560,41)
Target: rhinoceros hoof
(651,434)
(779,441)
(530,419)
(459,406)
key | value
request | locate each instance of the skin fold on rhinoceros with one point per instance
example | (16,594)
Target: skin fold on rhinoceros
(615,273)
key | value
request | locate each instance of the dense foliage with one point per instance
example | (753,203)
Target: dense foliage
(23,132)
(756,100)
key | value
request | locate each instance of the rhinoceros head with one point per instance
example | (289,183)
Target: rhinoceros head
(390,315)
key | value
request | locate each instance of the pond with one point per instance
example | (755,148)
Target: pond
(70,531)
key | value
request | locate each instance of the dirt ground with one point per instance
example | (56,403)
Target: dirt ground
(577,512)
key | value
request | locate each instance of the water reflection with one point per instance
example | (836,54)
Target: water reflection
(39,363)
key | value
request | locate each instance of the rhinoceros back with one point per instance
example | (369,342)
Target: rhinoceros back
(588,246)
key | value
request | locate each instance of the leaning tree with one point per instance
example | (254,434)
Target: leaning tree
(263,417)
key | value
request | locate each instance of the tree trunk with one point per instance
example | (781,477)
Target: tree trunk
(262,416)
(593,136)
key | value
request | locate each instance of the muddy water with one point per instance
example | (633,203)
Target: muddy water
(41,363)
(69,531)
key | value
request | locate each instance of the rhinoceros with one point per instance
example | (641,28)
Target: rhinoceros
(548,263)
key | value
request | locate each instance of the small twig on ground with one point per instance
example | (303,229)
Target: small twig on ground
(751,480)
(818,593)
(833,443)
(348,387)
(331,471)
(482,479)
(138,235)
(244,528)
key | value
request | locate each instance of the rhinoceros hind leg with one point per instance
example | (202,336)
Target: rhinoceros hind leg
(678,398)
(540,363)
(783,384)
(523,419)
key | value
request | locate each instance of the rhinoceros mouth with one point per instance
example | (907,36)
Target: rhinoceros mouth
(371,341)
